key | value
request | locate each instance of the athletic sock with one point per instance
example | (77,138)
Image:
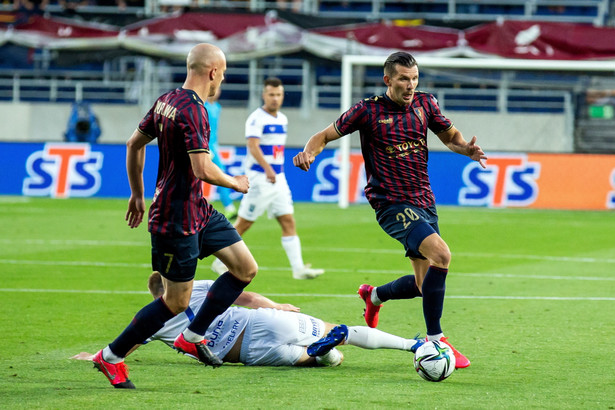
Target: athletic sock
(222,294)
(431,338)
(332,358)
(292,247)
(434,287)
(374,297)
(110,357)
(371,338)
(147,321)
(402,288)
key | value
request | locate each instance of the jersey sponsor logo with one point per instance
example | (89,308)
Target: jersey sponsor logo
(405,148)
(62,171)
(230,339)
(507,181)
(386,121)
(315,327)
(278,151)
(215,334)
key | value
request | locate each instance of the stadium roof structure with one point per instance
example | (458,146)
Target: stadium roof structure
(249,36)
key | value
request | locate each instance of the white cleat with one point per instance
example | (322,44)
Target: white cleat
(219,267)
(307,272)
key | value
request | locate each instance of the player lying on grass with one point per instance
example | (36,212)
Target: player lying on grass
(270,333)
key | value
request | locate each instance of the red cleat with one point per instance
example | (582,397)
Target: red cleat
(116,373)
(460,360)
(371,311)
(199,351)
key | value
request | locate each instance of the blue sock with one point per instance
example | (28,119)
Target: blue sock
(147,321)
(402,288)
(220,297)
(434,287)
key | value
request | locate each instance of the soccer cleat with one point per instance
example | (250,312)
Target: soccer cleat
(198,350)
(418,342)
(371,311)
(219,267)
(117,373)
(460,360)
(323,346)
(307,272)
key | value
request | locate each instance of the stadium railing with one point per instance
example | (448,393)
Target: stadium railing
(453,92)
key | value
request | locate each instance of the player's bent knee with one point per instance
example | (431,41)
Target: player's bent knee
(442,259)
(177,306)
(247,271)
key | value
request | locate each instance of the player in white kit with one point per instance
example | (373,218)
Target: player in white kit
(270,334)
(265,131)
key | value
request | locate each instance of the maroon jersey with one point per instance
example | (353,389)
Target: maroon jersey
(180,122)
(394,146)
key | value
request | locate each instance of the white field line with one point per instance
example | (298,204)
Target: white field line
(315,295)
(482,255)
(278,268)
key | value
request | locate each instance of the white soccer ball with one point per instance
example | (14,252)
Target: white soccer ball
(434,361)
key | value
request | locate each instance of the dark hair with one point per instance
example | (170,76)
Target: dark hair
(273,81)
(399,58)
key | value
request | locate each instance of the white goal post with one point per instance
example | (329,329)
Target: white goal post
(349,61)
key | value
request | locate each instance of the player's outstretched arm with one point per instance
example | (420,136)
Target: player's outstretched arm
(314,146)
(256,300)
(205,170)
(454,140)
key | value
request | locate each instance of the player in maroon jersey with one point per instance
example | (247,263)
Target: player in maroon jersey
(183,226)
(393,131)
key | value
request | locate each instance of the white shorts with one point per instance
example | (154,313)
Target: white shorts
(263,196)
(278,338)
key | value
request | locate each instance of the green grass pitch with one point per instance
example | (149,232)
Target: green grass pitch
(530,300)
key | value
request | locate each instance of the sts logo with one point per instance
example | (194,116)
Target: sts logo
(62,171)
(326,188)
(507,181)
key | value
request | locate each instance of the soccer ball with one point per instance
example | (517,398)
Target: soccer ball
(434,361)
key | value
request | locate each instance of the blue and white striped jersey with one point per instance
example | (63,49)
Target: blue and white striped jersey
(272,134)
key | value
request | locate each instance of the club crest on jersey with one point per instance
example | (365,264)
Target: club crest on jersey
(62,171)
(420,114)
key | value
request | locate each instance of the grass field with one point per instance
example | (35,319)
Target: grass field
(530,300)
